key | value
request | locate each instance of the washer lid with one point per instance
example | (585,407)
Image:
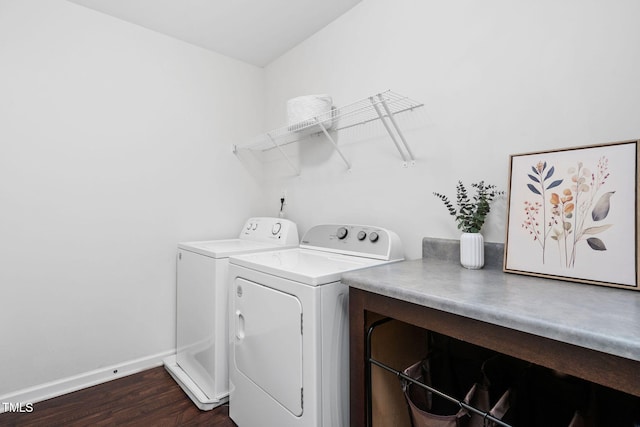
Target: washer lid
(307,266)
(226,248)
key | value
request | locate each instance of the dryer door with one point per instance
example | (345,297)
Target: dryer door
(268,341)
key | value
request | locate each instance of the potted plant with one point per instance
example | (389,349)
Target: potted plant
(470,216)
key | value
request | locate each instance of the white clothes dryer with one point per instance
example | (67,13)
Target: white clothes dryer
(200,365)
(289,332)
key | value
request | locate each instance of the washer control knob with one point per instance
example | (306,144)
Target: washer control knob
(362,235)
(249,226)
(342,233)
(373,236)
(276,228)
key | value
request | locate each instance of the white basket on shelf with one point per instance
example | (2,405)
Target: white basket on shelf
(306,111)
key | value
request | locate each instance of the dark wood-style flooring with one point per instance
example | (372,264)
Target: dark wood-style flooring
(150,398)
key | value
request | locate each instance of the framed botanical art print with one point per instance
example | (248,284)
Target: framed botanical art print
(573,214)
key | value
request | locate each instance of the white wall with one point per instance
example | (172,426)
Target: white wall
(497,77)
(114,145)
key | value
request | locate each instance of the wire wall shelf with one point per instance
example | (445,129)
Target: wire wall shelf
(383,106)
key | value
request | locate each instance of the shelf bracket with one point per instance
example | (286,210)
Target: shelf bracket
(389,131)
(297,171)
(397,128)
(333,142)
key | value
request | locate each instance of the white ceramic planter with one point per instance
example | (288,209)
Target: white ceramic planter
(472,250)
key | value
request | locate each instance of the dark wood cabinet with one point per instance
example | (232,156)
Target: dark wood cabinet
(602,368)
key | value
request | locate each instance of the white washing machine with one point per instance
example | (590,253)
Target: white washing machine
(200,365)
(289,332)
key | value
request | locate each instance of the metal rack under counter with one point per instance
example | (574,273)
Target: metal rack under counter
(383,106)
(586,331)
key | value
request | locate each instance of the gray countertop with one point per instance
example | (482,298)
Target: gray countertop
(595,317)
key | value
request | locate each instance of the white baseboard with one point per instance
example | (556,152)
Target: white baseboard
(62,386)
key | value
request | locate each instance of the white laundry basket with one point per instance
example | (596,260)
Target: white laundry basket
(305,111)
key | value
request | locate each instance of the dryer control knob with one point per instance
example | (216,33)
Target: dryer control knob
(373,236)
(342,233)
(276,228)
(362,235)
